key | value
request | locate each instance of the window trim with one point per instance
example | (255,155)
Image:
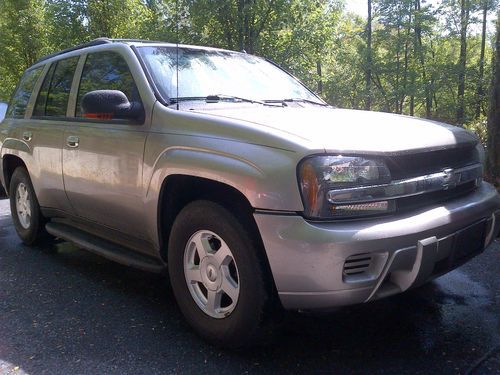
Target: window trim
(75,85)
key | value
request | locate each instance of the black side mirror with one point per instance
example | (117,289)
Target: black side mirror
(110,104)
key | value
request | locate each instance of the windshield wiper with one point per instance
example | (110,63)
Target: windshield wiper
(219,98)
(297,100)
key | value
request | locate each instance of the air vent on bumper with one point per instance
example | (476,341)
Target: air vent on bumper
(357,264)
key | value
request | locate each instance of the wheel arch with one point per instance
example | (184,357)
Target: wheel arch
(179,190)
(9,164)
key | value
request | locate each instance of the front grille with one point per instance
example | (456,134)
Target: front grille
(357,264)
(423,163)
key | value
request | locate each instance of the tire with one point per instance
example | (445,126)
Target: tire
(26,214)
(242,272)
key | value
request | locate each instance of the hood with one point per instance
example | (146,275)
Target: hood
(343,130)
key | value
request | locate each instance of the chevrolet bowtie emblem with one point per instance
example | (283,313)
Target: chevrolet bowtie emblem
(450,178)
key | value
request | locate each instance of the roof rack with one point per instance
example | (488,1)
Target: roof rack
(95,42)
(124,40)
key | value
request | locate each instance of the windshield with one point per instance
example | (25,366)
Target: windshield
(204,73)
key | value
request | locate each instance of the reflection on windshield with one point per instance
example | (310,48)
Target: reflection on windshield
(208,72)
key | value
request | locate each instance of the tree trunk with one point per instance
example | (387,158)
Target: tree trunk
(320,77)
(407,62)
(464,21)
(241,16)
(420,47)
(368,75)
(480,89)
(494,114)
(397,89)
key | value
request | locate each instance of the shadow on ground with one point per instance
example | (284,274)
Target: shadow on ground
(66,311)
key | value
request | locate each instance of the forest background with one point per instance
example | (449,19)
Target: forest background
(434,59)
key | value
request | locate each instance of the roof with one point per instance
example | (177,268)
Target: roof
(135,42)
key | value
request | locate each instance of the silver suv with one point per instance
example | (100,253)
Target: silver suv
(226,171)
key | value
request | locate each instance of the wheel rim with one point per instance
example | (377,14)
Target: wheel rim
(211,274)
(23,205)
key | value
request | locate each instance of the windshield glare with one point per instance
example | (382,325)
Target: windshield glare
(211,72)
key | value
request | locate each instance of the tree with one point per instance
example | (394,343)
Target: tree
(23,39)
(464,23)
(494,113)
(487,5)
(369,59)
(65,21)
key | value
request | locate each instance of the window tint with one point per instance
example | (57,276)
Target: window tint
(106,71)
(19,101)
(54,94)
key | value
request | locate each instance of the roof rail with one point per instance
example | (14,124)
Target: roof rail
(124,40)
(95,42)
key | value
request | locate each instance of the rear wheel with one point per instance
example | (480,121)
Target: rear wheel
(219,277)
(28,220)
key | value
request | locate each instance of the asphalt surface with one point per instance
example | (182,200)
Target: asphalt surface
(66,311)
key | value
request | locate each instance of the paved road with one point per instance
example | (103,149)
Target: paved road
(71,312)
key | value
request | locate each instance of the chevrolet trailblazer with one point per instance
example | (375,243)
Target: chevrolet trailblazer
(249,189)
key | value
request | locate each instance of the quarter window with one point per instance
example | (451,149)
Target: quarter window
(106,71)
(21,97)
(54,94)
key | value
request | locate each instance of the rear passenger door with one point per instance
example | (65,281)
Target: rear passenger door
(103,158)
(43,132)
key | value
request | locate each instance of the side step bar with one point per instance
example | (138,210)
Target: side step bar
(105,248)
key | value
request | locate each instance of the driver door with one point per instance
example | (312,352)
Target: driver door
(103,158)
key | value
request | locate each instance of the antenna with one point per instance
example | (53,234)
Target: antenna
(177,51)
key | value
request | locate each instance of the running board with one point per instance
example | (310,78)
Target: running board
(105,248)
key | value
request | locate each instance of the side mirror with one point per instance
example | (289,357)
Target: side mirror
(110,104)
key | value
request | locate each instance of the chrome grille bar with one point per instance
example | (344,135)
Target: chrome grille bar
(444,180)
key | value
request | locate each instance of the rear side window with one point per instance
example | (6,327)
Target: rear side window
(21,97)
(54,94)
(106,71)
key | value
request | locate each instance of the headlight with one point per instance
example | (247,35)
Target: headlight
(481,153)
(318,175)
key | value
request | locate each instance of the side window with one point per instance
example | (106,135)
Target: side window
(21,97)
(54,94)
(106,71)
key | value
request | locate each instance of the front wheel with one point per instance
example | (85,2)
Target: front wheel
(219,276)
(28,220)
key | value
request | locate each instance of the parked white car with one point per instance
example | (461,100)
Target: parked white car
(3,109)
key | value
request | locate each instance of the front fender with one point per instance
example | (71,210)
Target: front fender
(268,181)
(264,175)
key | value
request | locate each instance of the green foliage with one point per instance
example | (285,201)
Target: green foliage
(415,47)
(23,38)
(480,128)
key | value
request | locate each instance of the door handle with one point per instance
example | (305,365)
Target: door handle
(27,136)
(73,141)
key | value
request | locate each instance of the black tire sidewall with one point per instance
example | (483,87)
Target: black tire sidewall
(32,234)
(244,322)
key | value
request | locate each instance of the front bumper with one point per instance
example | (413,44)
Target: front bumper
(323,265)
